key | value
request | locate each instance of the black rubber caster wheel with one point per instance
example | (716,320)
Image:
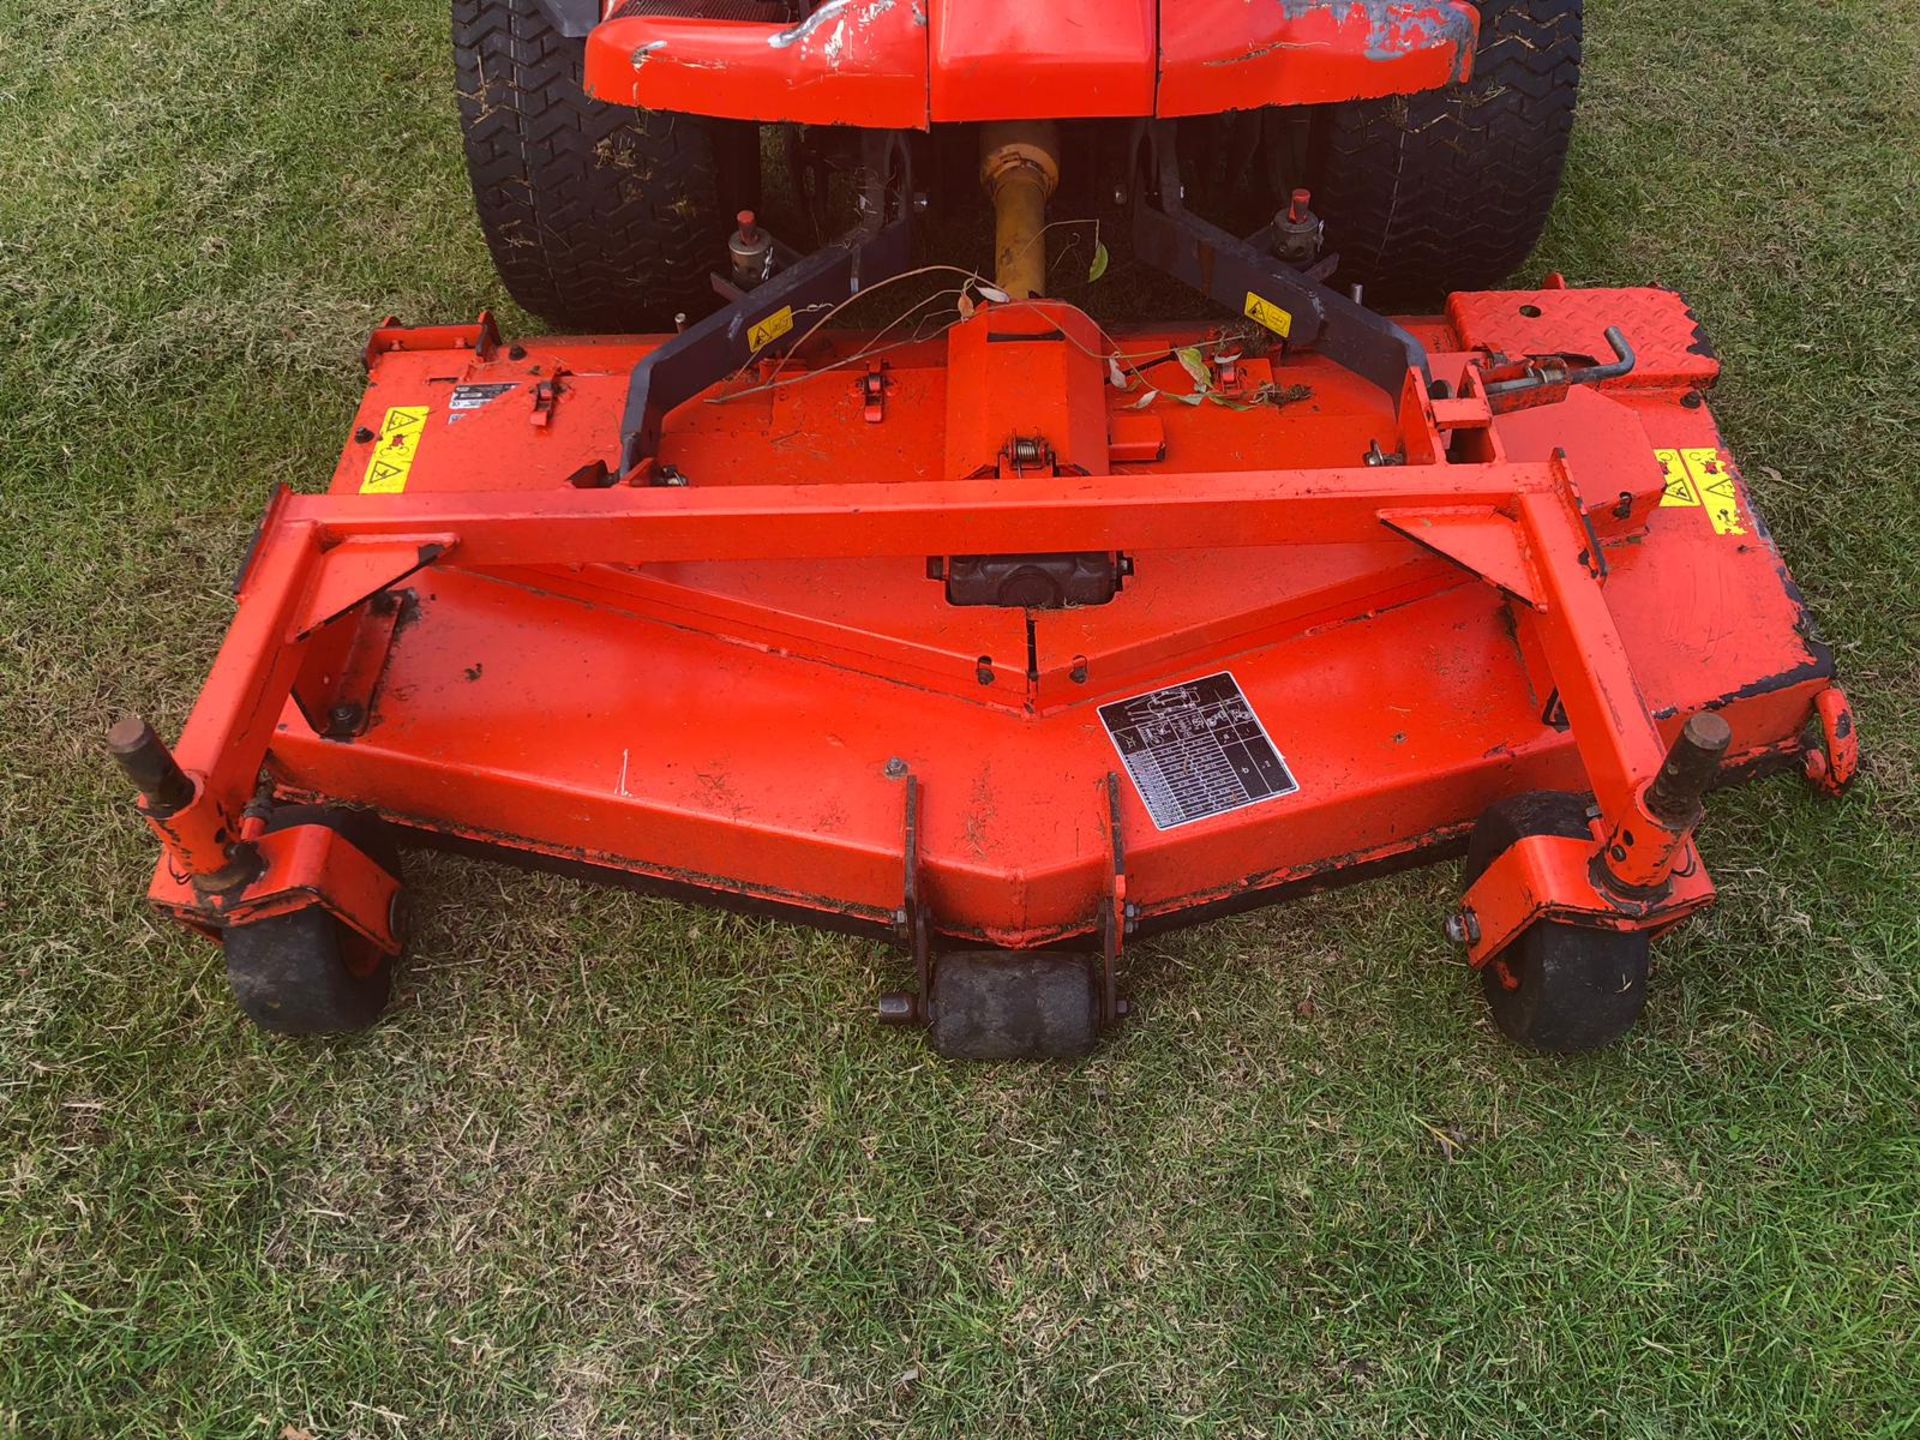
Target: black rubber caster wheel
(1009,1005)
(1578,988)
(306,973)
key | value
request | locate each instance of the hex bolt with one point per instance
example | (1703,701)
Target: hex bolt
(1674,796)
(896,768)
(149,765)
(346,718)
(1463,928)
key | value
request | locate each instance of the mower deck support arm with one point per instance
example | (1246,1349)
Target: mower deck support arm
(226,737)
(1617,739)
(297,583)
(781,311)
(1638,869)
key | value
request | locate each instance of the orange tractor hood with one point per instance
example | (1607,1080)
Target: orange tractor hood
(905,64)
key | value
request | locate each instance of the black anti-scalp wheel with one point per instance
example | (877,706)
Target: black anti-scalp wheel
(1578,988)
(1015,1005)
(306,973)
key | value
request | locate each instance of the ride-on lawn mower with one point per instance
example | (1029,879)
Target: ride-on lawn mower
(987,627)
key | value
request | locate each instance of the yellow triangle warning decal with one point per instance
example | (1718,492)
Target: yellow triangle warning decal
(1680,488)
(1276,319)
(1719,492)
(770,329)
(393,451)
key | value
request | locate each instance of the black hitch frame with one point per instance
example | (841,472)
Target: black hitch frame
(1254,284)
(1294,306)
(780,312)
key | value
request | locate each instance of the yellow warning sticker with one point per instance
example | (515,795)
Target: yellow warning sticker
(393,452)
(1700,478)
(1718,492)
(771,328)
(1268,314)
(1680,489)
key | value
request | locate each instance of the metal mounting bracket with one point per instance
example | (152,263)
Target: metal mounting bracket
(772,316)
(1293,307)
(913,926)
(1116,914)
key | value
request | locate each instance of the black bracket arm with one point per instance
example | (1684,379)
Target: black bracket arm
(1301,313)
(778,312)
(763,321)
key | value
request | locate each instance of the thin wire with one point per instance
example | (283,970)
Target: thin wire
(1157,357)
(1041,234)
(865,290)
(1120,358)
(837,365)
(867,352)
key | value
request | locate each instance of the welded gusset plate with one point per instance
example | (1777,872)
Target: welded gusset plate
(300,867)
(1552,878)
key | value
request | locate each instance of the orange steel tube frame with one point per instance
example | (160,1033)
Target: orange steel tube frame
(1520,526)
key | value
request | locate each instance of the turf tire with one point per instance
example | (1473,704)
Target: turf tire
(1449,190)
(600,218)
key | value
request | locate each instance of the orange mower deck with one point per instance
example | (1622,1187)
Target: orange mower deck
(1347,622)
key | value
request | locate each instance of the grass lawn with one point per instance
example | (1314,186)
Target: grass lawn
(619,1166)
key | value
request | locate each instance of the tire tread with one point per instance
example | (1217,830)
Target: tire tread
(1450,190)
(599,217)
